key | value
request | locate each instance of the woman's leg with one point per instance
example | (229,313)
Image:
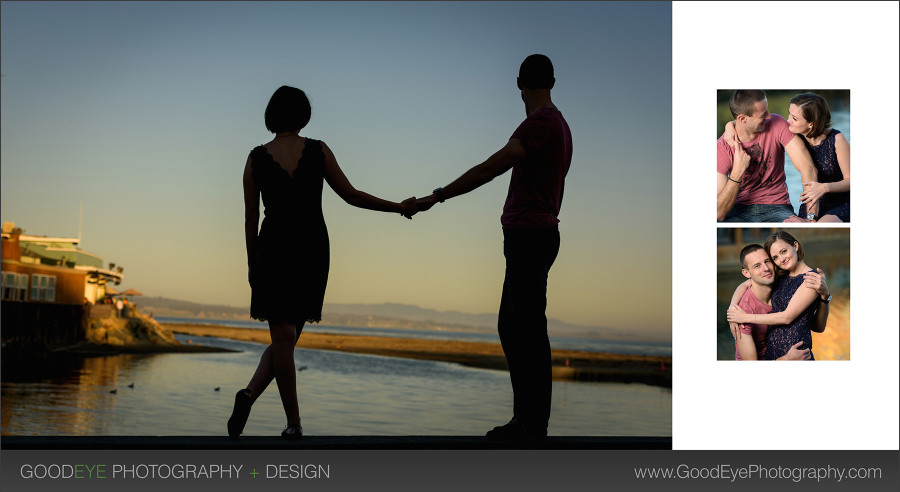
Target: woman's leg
(263,375)
(281,353)
(265,371)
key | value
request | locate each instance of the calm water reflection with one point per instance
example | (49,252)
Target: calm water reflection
(340,394)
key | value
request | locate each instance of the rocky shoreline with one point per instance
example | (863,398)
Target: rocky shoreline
(137,334)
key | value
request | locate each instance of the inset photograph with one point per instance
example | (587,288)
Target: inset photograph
(783,156)
(783,294)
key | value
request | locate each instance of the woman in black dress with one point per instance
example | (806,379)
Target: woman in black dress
(288,255)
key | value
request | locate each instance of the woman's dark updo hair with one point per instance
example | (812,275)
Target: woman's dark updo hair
(288,110)
(815,110)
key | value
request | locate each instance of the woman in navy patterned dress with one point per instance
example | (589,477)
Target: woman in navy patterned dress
(810,117)
(795,306)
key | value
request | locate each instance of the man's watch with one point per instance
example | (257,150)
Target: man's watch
(439,193)
(810,216)
(827,300)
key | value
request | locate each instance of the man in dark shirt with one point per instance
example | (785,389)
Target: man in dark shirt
(539,153)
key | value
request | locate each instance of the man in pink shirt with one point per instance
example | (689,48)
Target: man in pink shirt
(539,152)
(750,178)
(757,299)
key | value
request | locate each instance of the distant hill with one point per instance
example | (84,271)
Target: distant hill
(388,315)
(160,306)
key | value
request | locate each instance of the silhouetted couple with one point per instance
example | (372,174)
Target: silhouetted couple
(288,174)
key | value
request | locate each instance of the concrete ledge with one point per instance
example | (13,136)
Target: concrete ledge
(326,442)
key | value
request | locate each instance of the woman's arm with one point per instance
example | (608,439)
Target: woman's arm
(842,149)
(341,185)
(802,160)
(739,292)
(799,302)
(251,209)
(730,135)
(813,190)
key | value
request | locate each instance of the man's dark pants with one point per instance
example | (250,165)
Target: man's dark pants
(522,324)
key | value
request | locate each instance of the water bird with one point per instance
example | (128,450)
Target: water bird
(131,385)
(217,388)
(114,391)
(302,368)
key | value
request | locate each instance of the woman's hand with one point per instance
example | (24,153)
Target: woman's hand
(812,191)
(737,315)
(730,135)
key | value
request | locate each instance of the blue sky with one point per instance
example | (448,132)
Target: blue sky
(145,113)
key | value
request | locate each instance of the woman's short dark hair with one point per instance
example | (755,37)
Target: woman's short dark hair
(815,110)
(288,110)
(786,237)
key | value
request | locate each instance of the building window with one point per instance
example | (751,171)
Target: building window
(43,288)
(15,286)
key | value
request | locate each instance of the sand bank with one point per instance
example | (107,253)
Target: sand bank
(567,364)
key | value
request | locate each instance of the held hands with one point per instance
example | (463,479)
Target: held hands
(408,207)
(413,205)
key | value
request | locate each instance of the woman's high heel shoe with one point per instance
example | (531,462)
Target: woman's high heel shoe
(293,432)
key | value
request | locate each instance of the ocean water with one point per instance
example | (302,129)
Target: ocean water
(639,347)
(340,394)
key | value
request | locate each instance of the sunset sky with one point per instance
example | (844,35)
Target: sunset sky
(146,112)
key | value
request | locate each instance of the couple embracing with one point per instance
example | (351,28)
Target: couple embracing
(773,314)
(288,174)
(750,180)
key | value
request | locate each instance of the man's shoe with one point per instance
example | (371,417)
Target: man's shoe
(514,430)
(511,431)
(242,402)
